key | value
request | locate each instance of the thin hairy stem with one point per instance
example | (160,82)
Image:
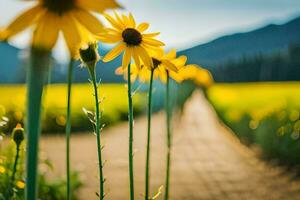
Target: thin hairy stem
(98,129)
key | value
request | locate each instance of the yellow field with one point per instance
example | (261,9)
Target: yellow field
(114,105)
(256,99)
(265,114)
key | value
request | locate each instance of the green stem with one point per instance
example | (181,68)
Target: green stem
(169,137)
(12,180)
(148,137)
(68,127)
(130,107)
(37,75)
(15,164)
(98,129)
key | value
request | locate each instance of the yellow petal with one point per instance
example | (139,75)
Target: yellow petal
(153,42)
(23,21)
(118,18)
(46,32)
(162,74)
(114,52)
(136,58)
(171,54)
(109,39)
(113,22)
(180,61)
(144,56)
(131,20)
(169,66)
(71,33)
(176,76)
(126,57)
(142,27)
(97,5)
(150,35)
(89,21)
(119,71)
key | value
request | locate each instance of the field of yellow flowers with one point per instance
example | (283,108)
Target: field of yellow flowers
(12,105)
(264,114)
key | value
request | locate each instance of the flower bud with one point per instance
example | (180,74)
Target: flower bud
(89,55)
(18,135)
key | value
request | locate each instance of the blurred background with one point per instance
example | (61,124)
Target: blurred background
(251,48)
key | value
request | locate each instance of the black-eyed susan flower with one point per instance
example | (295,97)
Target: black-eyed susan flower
(131,40)
(162,64)
(72,17)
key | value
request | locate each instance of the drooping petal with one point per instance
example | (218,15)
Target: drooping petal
(114,52)
(126,57)
(144,56)
(46,32)
(142,27)
(136,58)
(97,5)
(89,21)
(23,21)
(162,74)
(71,31)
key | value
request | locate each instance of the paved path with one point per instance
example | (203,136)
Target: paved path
(208,162)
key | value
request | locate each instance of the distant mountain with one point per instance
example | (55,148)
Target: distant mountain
(266,40)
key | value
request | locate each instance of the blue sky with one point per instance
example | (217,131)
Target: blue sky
(184,23)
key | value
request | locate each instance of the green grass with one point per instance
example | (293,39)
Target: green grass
(265,114)
(114,105)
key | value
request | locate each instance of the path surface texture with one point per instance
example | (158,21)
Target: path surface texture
(208,162)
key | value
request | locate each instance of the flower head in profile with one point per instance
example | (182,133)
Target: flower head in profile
(198,75)
(163,64)
(130,39)
(71,17)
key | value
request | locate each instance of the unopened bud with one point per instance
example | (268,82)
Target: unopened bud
(89,55)
(18,135)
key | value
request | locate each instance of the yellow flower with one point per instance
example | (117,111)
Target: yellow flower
(130,38)
(200,76)
(162,64)
(72,17)
(20,184)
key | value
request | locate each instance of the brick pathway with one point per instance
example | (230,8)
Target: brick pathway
(208,162)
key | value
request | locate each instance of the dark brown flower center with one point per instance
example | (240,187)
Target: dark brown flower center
(156,62)
(59,6)
(132,37)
